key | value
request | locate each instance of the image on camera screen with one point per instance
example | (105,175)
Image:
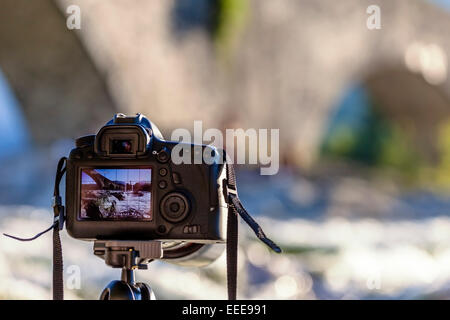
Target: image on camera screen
(116,194)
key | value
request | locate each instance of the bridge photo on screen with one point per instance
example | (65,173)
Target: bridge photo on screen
(116,194)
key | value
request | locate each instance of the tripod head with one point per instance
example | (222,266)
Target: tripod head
(129,256)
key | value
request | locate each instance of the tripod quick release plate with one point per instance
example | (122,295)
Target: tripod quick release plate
(128,254)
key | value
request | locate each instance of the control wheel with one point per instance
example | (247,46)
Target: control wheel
(174,207)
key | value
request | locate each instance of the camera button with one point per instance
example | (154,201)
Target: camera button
(191,229)
(162,229)
(162,184)
(163,172)
(163,155)
(176,178)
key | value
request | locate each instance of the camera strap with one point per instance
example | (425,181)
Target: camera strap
(58,224)
(235,209)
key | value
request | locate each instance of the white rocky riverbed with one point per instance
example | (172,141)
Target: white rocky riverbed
(343,237)
(330,257)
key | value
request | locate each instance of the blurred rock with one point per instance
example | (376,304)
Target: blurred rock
(60,90)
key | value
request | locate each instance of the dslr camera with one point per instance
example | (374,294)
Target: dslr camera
(122,185)
(128,191)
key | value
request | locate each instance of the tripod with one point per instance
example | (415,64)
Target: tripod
(129,256)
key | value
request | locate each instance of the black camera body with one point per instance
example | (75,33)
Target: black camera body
(122,184)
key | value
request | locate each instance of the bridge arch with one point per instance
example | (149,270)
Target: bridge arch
(392,117)
(50,72)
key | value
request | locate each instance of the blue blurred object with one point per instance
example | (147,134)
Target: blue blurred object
(352,110)
(13,130)
(357,130)
(349,126)
(188,15)
(442,3)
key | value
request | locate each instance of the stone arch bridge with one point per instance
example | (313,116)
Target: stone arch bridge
(285,67)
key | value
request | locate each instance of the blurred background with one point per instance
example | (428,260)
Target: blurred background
(361,205)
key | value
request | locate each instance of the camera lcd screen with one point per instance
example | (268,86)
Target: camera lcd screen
(116,194)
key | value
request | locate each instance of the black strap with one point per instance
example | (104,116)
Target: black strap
(232,249)
(58,211)
(58,224)
(33,237)
(236,208)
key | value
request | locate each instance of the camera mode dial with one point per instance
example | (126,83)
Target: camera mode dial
(85,141)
